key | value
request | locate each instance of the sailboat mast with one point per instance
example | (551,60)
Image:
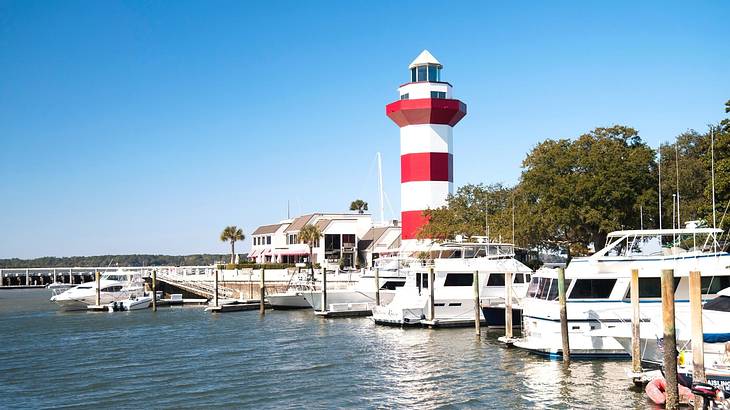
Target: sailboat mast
(380,188)
(676,153)
(660,185)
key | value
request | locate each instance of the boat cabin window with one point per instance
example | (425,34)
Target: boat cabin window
(116,288)
(391,285)
(534,287)
(652,287)
(459,279)
(592,289)
(713,284)
(519,278)
(83,287)
(553,293)
(527,277)
(421,280)
(495,279)
(720,303)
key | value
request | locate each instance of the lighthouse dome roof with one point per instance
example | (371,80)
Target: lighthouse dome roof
(425,58)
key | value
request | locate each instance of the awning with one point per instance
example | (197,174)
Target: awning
(253,253)
(287,252)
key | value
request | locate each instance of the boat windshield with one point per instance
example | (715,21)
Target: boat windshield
(657,245)
(720,303)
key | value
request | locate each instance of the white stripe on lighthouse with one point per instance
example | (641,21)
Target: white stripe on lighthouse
(426,138)
(420,195)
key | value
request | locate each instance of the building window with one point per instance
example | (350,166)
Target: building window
(268,240)
(438,94)
(404,96)
(292,239)
(348,240)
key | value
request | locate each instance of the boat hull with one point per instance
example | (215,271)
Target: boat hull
(288,301)
(494,316)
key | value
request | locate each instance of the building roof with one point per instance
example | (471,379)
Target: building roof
(396,243)
(299,223)
(266,229)
(322,224)
(425,58)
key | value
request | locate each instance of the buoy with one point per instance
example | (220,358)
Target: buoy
(656,390)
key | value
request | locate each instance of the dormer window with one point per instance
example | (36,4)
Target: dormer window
(427,72)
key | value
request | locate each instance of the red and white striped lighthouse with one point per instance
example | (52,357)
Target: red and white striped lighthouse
(426,114)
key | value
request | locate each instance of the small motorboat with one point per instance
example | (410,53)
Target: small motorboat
(133,303)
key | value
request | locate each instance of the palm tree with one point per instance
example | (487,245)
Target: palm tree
(232,233)
(310,234)
(359,205)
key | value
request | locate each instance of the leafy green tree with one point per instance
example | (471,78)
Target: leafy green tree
(232,234)
(576,192)
(469,211)
(359,205)
(688,155)
(722,168)
(310,234)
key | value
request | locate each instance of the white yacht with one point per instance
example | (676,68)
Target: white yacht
(597,289)
(361,290)
(715,326)
(454,267)
(114,286)
(293,297)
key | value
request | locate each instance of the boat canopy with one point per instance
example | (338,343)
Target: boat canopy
(659,242)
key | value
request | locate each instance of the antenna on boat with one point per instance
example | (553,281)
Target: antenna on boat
(513,219)
(676,163)
(712,162)
(641,216)
(486,217)
(660,185)
(380,187)
(288,213)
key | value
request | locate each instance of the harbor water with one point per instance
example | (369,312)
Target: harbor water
(183,357)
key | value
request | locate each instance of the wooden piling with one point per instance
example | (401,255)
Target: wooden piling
(563,315)
(377,286)
(635,324)
(477,306)
(508,305)
(698,344)
(431,304)
(324,289)
(154,290)
(670,339)
(262,292)
(98,288)
(215,288)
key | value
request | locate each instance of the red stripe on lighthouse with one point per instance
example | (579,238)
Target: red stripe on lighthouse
(412,223)
(426,111)
(426,166)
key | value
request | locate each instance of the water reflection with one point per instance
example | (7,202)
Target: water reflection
(184,357)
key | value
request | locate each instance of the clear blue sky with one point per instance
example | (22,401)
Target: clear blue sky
(146,127)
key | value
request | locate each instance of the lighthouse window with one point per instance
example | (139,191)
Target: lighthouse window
(433,73)
(413,74)
(422,73)
(404,96)
(438,94)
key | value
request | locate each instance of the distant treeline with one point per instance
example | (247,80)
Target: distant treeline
(115,260)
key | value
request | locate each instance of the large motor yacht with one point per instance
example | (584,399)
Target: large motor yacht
(598,289)
(454,265)
(114,286)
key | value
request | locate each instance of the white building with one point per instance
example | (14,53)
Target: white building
(338,246)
